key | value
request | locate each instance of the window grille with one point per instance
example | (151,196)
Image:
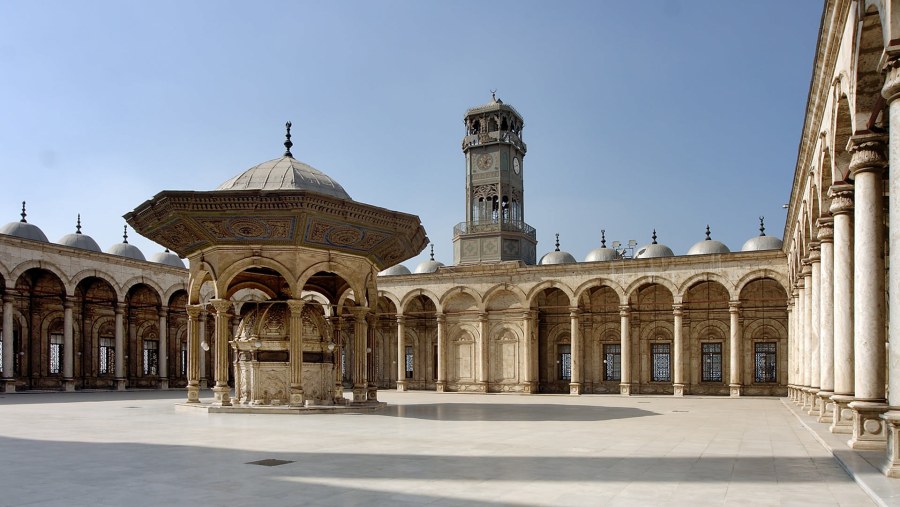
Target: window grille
(565,362)
(765,364)
(107,357)
(56,352)
(184,359)
(409,361)
(1,351)
(343,364)
(151,357)
(711,362)
(612,362)
(661,356)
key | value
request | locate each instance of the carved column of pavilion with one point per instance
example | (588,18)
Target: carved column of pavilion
(842,211)
(221,396)
(867,166)
(204,349)
(891,91)
(678,350)
(295,354)
(163,348)
(735,344)
(528,355)
(826,318)
(813,296)
(371,384)
(401,352)
(625,333)
(483,352)
(68,346)
(360,357)
(575,333)
(120,347)
(441,383)
(9,362)
(193,353)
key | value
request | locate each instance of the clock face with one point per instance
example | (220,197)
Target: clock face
(516,165)
(485,161)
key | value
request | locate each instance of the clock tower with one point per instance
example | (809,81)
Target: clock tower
(495,228)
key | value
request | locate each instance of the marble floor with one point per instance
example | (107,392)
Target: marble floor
(133,449)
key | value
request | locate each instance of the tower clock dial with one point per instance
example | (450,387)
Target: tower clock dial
(485,161)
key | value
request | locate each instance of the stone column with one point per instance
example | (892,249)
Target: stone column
(530,386)
(735,344)
(826,319)
(805,325)
(575,333)
(193,353)
(815,265)
(295,356)
(371,385)
(401,353)
(795,339)
(360,357)
(867,166)
(842,210)
(221,391)
(483,352)
(120,347)
(68,346)
(678,351)
(625,367)
(338,364)
(441,384)
(163,349)
(9,361)
(203,350)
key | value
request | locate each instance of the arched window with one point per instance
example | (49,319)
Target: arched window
(56,353)
(107,355)
(711,362)
(661,358)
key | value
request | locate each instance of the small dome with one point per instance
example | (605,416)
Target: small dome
(557,257)
(653,250)
(398,269)
(79,240)
(123,249)
(708,246)
(285,173)
(762,242)
(601,254)
(167,258)
(24,230)
(429,266)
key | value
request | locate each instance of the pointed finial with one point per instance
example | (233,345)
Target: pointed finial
(707,233)
(125,235)
(654,236)
(432,251)
(494,95)
(167,250)
(287,140)
(762,226)
(23,213)
(78,225)
(602,238)
(557,241)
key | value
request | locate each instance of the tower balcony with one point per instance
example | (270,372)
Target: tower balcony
(505,136)
(490,226)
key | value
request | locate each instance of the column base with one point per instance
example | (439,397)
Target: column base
(359,394)
(9,386)
(805,402)
(69,385)
(222,396)
(574,388)
(814,408)
(121,384)
(868,427)
(734,390)
(678,390)
(193,393)
(841,415)
(204,384)
(401,386)
(528,388)
(825,406)
(625,389)
(372,394)
(164,384)
(440,386)
(891,467)
(482,387)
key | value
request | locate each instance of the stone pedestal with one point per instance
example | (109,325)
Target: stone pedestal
(193,393)
(574,388)
(372,394)
(841,414)
(9,386)
(528,388)
(892,426)
(401,386)
(625,389)
(359,394)
(825,406)
(868,427)
(734,390)
(440,386)
(221,396)
(813,394)
(164,384)
(204,384)
(482,387)
(678,390)
(69,385)
(121,384)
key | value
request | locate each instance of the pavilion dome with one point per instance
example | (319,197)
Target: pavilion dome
(123,249)
(708,246)
(22,229)
(79,240)
(603,253)
(429,266)
(398,269)
(762,242)
(653,250)
(167,258)
(557,256)
(286,173)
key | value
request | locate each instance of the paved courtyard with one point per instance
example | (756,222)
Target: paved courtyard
(133,448)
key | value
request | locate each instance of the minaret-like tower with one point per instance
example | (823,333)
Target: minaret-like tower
(495,228)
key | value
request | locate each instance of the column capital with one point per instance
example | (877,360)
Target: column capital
(528,314)
(163,311)
(440,318)
(826,229)
(193,311)
(734,307)
(841,199)
(401,319)
(120,308)
(483,317)
(891,88)
(295,306)
(624,310)
(574,312)
(867,154)
(359,312)
(815,255)
(69,303)
(8,297)
(222,306)
(677,310)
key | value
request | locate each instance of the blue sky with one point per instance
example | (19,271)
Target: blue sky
(638,115)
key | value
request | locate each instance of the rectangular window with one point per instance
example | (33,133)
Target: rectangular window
(409,361)
(151,357)
(184,359)
(765,364)
(612,362)
(343,364)
(107,355)
(711,362)
(56,353)
(661,367)
(1,351)
(565,362)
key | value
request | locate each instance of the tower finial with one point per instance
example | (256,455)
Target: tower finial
(78,225)
(125,235)
(494,95)
(23,213)
(654,236)
(287,140)
(557,241)
(762,226)
(707,233)
(602,238)
(432,251)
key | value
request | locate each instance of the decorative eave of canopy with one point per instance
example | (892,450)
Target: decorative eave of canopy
(188,222)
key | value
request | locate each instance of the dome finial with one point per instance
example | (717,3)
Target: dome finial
(432,251)
(494,95)
(287,140)
(23,213)
(125,235)
(602,238)
(557,242)
(654,237)
(78,225)
(762,226)
(707,233)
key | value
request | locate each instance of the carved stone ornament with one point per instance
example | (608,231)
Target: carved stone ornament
(841,199)
(868,155)
(891,88)
(826,230)
(814,254)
